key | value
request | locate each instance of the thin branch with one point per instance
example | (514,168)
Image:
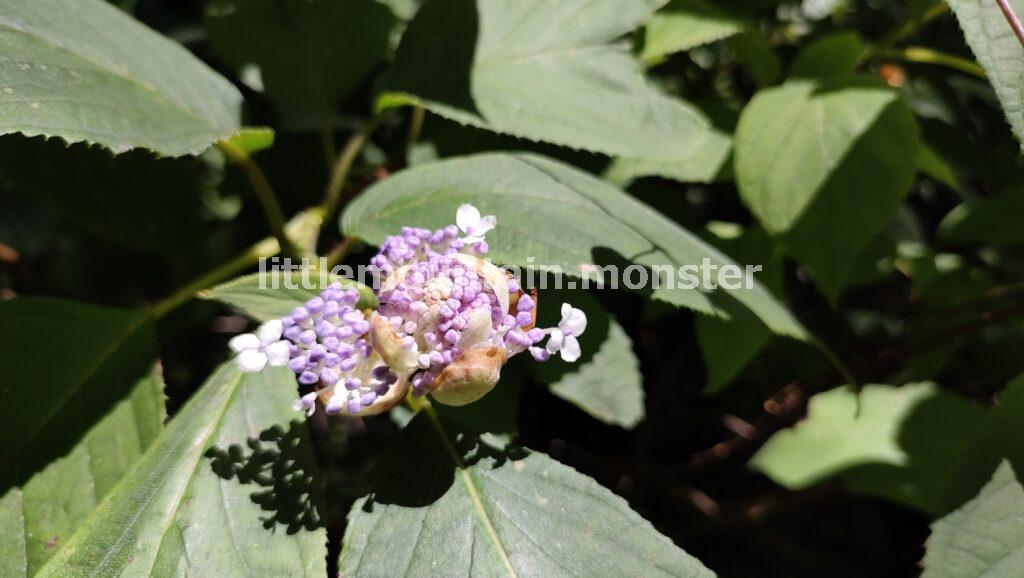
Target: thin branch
(266,248)
(340,171)
(264,193)
(1012,19)
(923,55)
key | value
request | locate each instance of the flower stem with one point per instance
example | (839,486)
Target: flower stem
(342,166)
(1012,19)
(266,248)
(928,56)
(264,193)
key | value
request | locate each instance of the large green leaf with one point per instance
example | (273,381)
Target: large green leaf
(685,24)
(985,537)
(82,70)
(226,490)
(551,70)
(703,165)
(824,166)
(39,515)
(998,51)
(453,504)
(902,443)
(65,365)
(551,215)
(312,54)
(271,295)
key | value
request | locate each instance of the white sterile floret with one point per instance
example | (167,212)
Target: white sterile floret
(472,224)
(264,346)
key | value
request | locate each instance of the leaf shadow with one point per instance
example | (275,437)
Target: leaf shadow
(276,464)
(420,466)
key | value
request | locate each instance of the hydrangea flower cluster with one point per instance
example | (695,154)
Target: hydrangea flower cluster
(448,321)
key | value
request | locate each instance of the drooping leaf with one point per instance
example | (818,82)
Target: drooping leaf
(149,204)
(226,489)
(65,365)
(992,220)
(985,537)
(832,56)
(312,54)
(997,49)
(823,166)
(551,215)
(902,443)
(549,71)
(271,295)
(605,382)
(455,504)
(39,515)
(701,166)
(684,24)
(82,70)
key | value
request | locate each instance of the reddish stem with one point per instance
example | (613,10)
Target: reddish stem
(1011,17)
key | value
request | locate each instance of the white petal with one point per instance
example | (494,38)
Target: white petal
(467,217)
(240,343)
(278,353)
(481,228)
(570,349)
(270,331)
(251,361)
(566,311)
(555,341)
(471,240)
(575,323)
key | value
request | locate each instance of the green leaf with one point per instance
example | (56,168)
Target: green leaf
(451,503)
(65,366)
(807,152)
(754,50)
(551,215)
(251,140)
(992,220)
(146,203)
(902,443)
(832,56)
(998,51)
(685,24)
(84,71)
(985,537)
(226,489)
(551,71)
(39,515)
(271,295)
(701,166)
(311,55)
(606,381)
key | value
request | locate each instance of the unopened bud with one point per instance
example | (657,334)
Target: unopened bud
(471,376)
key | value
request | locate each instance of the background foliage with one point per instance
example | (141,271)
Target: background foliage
(856,414)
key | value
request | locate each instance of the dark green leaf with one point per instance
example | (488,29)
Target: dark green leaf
(829,57)
(685,24)
(227,489)
(266,296)
(454,504)
(82,70)
(993,220)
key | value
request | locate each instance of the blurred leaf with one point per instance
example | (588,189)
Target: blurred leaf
(272,295)
(227,488)
(251,140)
(985,537)
(65,365)
(137,200)
(446,502)
(931,164)
(829,57)
(824,166)
(902,443)
(82,70)
(550,71)
(550,215)
(312,54)
(755,51)
(685,24)
(41,513)
(988,221)
(999,51)
(701,166)
(729,345)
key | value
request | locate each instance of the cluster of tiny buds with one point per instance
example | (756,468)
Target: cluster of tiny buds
(447,321)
